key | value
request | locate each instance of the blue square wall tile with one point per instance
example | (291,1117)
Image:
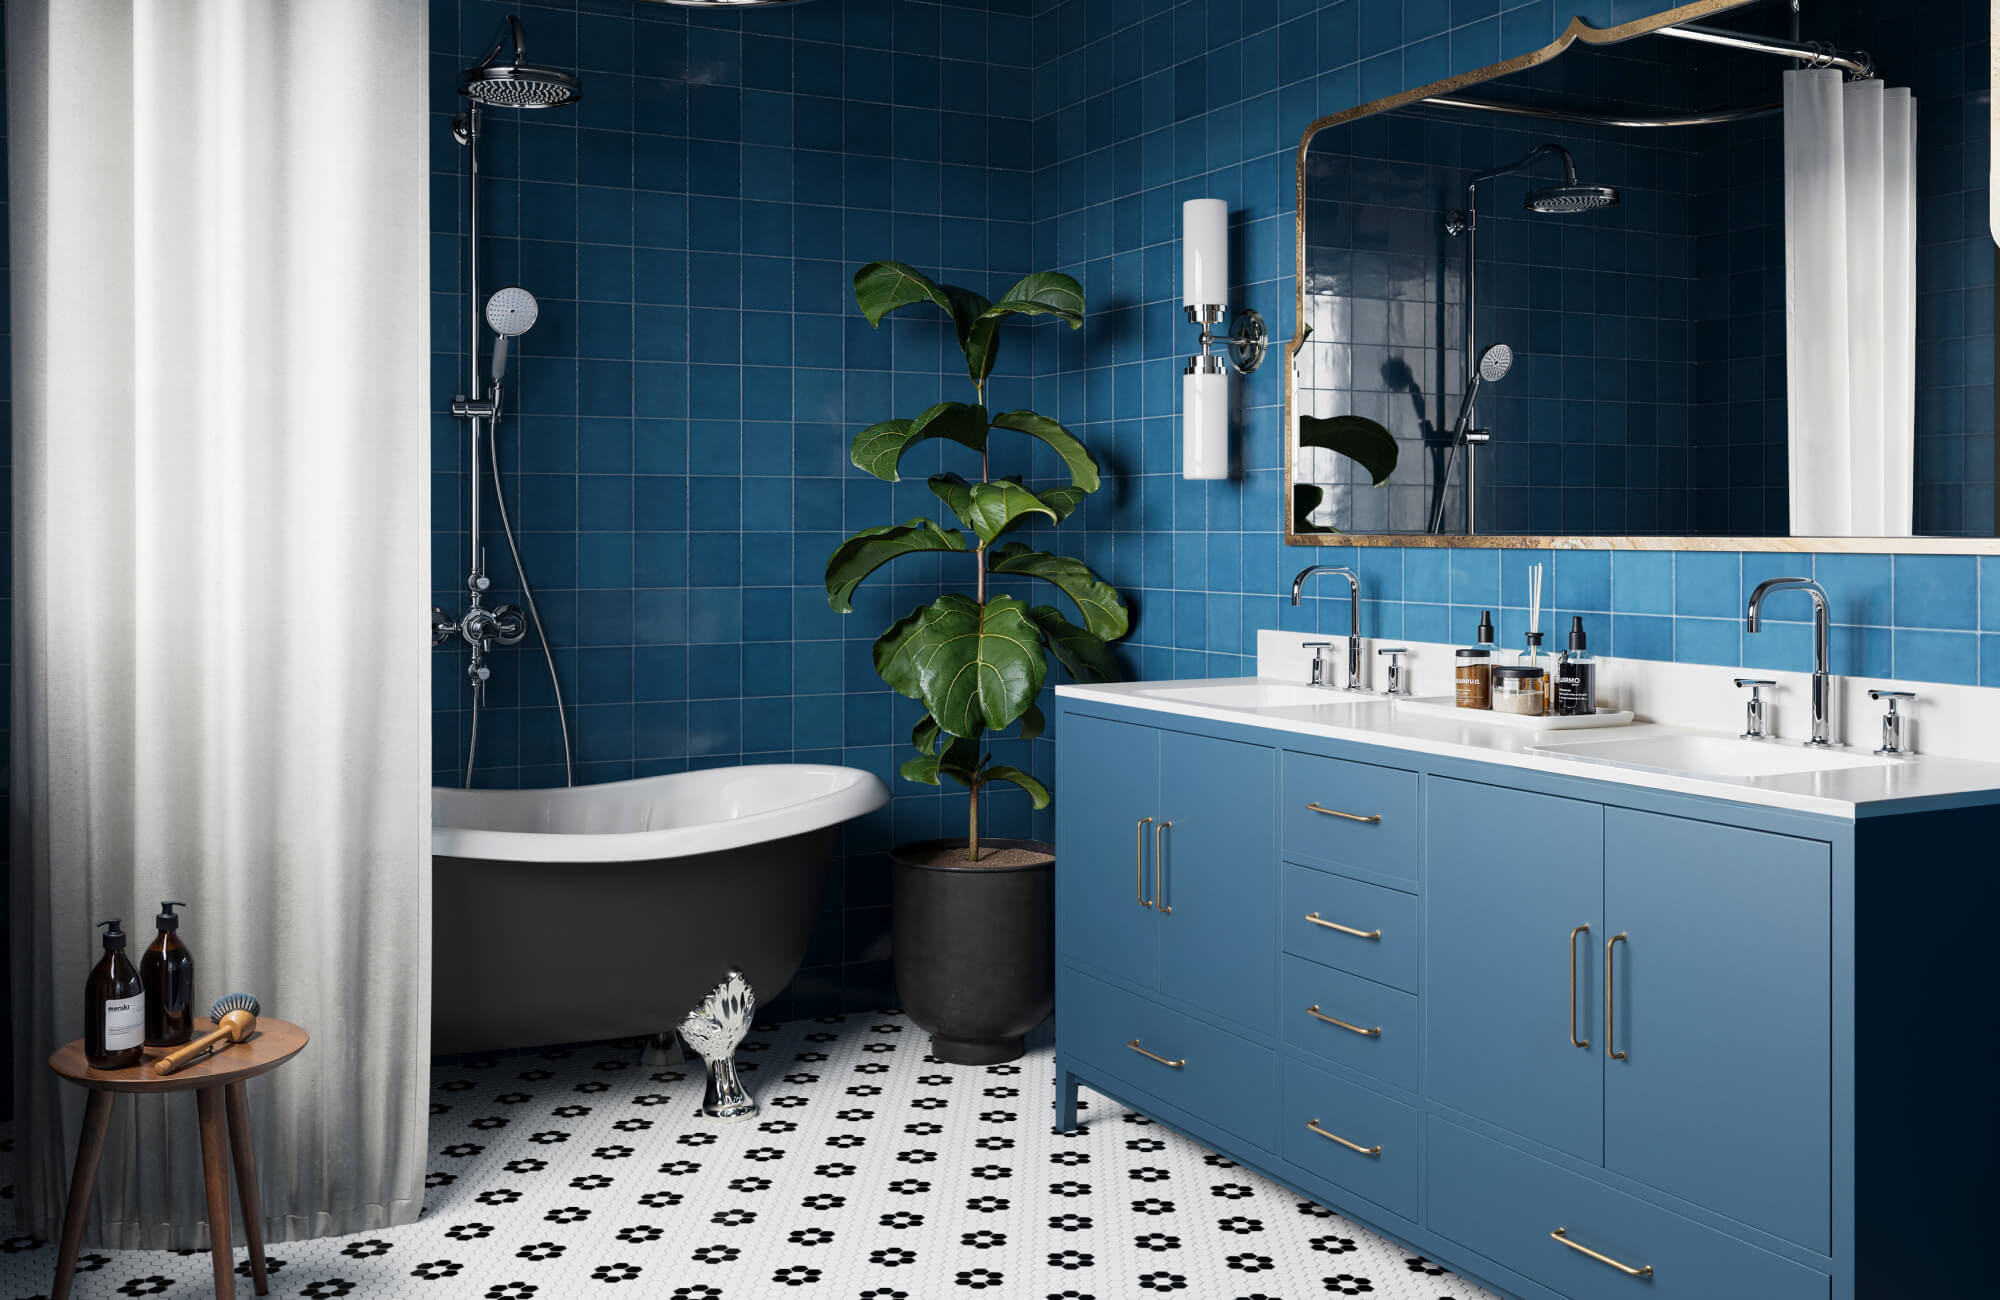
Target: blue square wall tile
(1989,594)
(1642,582)
(1708,584)
(1708,641)
(1928,656)
(1937,591)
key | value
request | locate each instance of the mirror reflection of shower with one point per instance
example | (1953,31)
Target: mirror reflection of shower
(502,79)
(1571,196)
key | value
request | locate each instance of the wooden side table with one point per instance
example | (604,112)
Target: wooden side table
(217,1083)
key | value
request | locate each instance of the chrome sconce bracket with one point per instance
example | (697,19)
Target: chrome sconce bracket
(1246,340)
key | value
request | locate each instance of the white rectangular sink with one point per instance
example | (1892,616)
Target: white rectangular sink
(1263,695)
(1713,756)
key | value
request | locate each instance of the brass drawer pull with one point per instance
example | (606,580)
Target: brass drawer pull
(1574,1041)
(1171,1065)
(1610,1042)
(1352,817)
(1159,870)
(1317,1014)
(1139,861)
(1314,917)
(1562,1235)
(1375,1150)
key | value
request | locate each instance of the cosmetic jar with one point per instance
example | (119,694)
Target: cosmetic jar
(1475,678)
(1518,689)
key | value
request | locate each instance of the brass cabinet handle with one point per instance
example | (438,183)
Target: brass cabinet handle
(1574,1041)
(1375,1150)
(1562,1235)
(1610,1048)
(1317,1014)
(1171,1065)
(1159,869)
(1139,860)
(1316,919)
(1335,812)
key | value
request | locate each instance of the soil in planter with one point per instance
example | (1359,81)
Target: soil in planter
(957,855)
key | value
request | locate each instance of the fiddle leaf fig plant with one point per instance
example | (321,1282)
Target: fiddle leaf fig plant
(977,662)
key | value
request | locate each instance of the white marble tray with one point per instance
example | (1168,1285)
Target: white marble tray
(1446,706)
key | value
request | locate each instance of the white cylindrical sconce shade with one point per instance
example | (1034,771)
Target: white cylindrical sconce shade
(1204,253)
(1205,423)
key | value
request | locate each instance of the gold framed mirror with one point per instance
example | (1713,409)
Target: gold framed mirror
(1382,330)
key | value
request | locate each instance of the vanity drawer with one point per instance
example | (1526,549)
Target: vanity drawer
(1322,911)
(1384,1170)
(1505,1204)
(1220,1079)
(1340,813)
(1378,1035)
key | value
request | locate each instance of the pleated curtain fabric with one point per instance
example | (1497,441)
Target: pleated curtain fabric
(221,513)
(1850,305)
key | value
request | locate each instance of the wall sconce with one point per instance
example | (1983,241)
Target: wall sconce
(1205,294)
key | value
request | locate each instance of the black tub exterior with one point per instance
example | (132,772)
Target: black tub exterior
(975,950)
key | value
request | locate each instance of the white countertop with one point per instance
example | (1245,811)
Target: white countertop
(1890,785)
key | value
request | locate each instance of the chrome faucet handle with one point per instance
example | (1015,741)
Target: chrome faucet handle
(443,626)
(1756,710)
(1320,665)
(1399,673)
(1893,744)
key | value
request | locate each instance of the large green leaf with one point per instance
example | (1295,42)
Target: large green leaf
(871,548)
(1082,468)
(925,734)
(880,447)
(1356,437)
(974,667)
(1032,722)
(958,760)
(1045,293)
(1103,611)
(882,287)
(976,336)
(1062,500)
(1083,656)
(1037,792)
(954,491)
(997,507)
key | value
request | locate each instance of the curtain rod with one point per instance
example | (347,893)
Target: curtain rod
(1597,119)
(1816,54)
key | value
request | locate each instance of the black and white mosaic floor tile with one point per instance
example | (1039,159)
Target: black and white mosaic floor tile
(873,1173)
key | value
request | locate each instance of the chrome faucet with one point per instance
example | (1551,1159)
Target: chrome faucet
(1353,621)
(1822,688)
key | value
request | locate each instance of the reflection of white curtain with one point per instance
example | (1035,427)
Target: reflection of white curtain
(221,339)
(1850,304)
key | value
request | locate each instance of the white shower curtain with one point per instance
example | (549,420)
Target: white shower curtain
(1850,304)
(221,357)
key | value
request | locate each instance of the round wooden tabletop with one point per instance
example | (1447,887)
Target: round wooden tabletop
(274,1043)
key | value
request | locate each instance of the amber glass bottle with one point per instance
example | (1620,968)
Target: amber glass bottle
(167,971)
(114,1008)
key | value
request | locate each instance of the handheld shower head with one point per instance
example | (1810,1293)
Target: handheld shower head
(517,83)
(509,312)
(1495,362)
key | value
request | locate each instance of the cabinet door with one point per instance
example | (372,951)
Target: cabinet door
(1109,774)
(1723,1008)
(1218,868)
(1508,876)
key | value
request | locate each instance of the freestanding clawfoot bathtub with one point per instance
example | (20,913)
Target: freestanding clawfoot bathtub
(602,911)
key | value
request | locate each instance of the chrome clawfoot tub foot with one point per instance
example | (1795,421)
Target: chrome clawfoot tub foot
(714,1029)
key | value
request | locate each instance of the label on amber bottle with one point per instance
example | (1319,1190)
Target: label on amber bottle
(124,1023)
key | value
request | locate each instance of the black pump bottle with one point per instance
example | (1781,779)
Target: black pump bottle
(114,1008)
(167,970)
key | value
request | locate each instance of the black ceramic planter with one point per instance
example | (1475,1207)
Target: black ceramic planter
(975,950)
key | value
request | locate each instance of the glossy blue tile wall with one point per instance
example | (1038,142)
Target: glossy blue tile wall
(677,462)
(1139,107)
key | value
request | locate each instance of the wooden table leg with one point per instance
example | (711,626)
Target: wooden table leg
(89,1148)
(215,1177)
(237,1105)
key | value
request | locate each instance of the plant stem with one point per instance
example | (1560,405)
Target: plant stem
(972,819)
(979,558)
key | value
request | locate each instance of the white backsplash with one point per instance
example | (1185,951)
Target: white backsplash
(1957,721)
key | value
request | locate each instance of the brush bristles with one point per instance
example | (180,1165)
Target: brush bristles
(229,1002)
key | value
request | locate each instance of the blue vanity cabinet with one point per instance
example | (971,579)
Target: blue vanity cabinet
(1105,888)
(1718,1088)
(1516,903)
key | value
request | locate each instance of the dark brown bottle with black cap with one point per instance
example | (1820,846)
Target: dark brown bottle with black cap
(114,1008)
(167,971)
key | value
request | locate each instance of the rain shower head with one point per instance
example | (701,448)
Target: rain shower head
(517,83)
(510,312)
(1495,362)
(1570,198)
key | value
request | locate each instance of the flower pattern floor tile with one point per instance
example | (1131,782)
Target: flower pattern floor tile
(872,1173)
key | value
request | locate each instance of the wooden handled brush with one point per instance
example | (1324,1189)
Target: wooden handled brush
(236,1019)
